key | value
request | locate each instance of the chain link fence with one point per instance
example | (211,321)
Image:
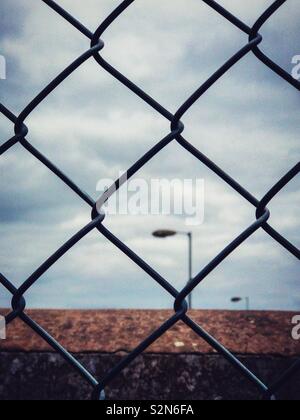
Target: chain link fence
(262,216)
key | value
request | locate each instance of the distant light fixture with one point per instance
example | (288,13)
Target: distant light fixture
(164,233)
(236,299)
(240,299)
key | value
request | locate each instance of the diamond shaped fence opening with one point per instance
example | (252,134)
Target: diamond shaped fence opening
(262,214)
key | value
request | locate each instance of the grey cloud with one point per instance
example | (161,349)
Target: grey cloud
(92,127)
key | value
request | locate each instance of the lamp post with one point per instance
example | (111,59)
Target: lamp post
(240,299)
(162,234)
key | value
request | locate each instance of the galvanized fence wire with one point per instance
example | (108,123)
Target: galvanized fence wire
(254,39)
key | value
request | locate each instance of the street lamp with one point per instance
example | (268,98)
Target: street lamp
(240,299)
(162,234)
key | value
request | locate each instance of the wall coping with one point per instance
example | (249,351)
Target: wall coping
(113,331)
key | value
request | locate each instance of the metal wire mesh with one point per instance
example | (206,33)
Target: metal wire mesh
(254,39)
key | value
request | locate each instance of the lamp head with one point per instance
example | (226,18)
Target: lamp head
(236,299)
(164,233)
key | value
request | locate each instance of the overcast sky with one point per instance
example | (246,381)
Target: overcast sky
(92,127)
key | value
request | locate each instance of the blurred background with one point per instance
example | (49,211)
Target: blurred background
(92,128)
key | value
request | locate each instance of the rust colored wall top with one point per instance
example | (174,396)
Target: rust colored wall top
(111,331)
